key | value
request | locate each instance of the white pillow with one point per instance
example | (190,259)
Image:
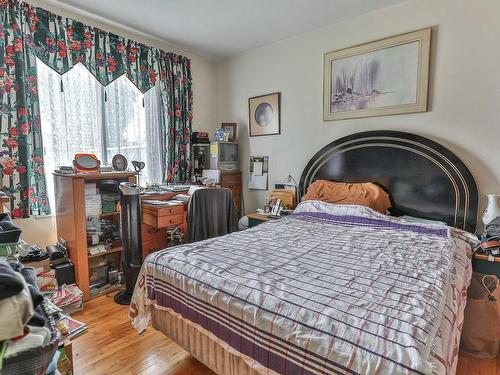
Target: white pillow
(413,219)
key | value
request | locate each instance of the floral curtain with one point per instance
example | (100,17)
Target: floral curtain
(177,96)
(28,32)
(21,153)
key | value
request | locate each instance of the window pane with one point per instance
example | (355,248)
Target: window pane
(74,121)
(71,120)
(129,130)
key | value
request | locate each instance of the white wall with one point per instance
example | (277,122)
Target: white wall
(464,97)
(42,230)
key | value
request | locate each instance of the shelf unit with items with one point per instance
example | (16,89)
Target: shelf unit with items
(88,218)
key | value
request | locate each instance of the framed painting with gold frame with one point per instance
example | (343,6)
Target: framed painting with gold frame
(384,77)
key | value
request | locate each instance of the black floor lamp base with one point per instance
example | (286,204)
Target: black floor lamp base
(123,297)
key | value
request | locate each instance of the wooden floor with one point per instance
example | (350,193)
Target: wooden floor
(111,346)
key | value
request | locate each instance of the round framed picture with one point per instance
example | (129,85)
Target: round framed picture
(119,162)
(264,114)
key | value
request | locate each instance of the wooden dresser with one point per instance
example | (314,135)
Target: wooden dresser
(232,181)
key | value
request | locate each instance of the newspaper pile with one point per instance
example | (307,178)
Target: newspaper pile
(69,298)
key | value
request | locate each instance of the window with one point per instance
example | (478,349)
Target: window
(79,115)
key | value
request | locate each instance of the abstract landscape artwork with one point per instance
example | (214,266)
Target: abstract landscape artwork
(385,77)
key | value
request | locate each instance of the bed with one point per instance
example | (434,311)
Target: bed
(330,289)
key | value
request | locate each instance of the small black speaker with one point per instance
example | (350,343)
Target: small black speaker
(65,273)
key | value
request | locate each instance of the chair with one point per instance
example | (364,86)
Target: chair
(211,213)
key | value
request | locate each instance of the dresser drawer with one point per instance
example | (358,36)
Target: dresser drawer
(235,188)
(231,179)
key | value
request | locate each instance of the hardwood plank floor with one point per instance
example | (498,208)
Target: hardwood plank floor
(112,346)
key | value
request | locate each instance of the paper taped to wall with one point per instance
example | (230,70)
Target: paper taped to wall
(259,170)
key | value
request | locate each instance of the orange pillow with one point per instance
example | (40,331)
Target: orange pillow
(364,194)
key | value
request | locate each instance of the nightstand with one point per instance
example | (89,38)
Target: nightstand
(256,219)
(481,264)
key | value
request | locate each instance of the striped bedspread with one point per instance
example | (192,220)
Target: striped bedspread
(331,289)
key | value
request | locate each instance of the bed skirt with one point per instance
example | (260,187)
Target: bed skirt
(204,346)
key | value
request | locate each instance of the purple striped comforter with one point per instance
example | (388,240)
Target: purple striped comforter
(331,289)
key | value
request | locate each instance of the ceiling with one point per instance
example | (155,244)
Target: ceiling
(220,28)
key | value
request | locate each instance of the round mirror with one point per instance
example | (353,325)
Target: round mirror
(86,161)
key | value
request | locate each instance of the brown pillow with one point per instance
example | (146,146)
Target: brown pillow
(364,194)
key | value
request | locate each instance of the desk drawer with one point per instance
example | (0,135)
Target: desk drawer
(172,210)
(150,233)
(149,247)
(170,220)
(163,217)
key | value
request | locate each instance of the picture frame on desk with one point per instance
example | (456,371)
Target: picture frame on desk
(231,128)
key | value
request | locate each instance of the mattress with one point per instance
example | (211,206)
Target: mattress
(331,289)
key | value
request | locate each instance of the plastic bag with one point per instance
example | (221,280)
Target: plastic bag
(481,329)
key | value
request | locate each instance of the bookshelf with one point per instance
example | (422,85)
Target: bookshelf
(87,214)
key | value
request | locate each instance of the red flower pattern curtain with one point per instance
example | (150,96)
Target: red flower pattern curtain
(177,96)
(21,152)
(28,32)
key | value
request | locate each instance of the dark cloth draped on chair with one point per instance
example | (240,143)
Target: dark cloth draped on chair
(28,32)
(211,213)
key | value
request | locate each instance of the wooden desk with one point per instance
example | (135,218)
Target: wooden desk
(156,220)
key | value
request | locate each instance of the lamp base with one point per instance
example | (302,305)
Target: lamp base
(123,297)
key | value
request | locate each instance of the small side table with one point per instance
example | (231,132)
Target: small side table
(483,265)
(256,219)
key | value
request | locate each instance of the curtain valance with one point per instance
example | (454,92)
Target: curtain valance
(27,32)
(63,42)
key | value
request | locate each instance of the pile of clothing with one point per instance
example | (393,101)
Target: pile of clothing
(9,236)
(24,324)
(493,230)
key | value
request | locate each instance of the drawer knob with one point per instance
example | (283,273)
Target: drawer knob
(172,221)
(171,210)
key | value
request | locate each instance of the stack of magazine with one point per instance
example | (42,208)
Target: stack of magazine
(66,300)
(69,298)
